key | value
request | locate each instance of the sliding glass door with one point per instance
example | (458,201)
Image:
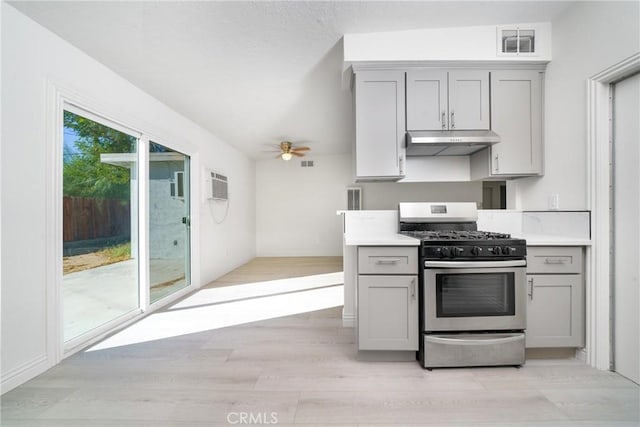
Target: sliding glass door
(100,216)
(103,253)
(168,221)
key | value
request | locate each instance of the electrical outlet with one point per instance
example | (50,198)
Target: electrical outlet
(554,202)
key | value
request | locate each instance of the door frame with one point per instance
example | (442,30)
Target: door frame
(58,96)
(599,139)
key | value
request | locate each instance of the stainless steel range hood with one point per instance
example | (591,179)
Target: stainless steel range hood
(449,143)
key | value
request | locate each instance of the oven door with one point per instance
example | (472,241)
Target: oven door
(474,296)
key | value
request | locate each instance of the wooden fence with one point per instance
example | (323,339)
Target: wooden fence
(88,218)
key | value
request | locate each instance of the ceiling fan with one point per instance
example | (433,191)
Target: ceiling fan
(288,150)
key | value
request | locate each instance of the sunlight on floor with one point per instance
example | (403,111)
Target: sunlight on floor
(233,305)
(259,289)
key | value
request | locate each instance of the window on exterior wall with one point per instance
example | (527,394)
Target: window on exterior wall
(176,187)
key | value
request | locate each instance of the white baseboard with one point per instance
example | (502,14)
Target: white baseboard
(24,373)
(348,320)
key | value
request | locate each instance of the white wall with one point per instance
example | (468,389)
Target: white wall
(296,206)
(477,43)
(587,38)
(34,61)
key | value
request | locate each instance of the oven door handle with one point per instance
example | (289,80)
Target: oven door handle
(475,264)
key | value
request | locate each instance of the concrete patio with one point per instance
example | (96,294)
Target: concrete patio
(96,296)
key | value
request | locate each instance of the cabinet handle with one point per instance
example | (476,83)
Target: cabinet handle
(413,288)
(497,164)
(531,289)
(453,122)
(444,120)
(555,260)
(388,260)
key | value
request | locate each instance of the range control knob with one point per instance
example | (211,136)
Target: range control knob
(506,250)
(457,251)
(444,252)
(476,250)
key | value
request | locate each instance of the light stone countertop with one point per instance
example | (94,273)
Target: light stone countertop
(401,240)
(387,239)
(542,240)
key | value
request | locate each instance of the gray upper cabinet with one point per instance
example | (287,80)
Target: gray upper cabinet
(469,100)
(427,100)
(516,115)
(380,125)
(448,100)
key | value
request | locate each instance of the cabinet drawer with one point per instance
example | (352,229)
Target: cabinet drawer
(387,260)
(554,259)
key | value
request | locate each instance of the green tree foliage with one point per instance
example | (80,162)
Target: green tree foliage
(84,174)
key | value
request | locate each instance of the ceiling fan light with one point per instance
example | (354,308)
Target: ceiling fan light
(286,156)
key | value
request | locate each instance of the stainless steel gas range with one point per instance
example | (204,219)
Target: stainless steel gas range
(473,293)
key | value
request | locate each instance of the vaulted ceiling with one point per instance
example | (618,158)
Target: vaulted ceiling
(255,72)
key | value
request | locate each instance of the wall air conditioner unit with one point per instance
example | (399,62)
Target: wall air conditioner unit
(219,186)
(354,198)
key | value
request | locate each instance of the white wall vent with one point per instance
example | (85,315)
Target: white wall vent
(354,198)
(306,163)
(219,186)
(517,41)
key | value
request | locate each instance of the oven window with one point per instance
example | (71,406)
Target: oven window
(475,294)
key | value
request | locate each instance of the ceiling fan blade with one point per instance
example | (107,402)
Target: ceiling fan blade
(300,149)
(297,154)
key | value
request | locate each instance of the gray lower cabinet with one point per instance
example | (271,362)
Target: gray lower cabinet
(387,312)
(387,298)
(556,306)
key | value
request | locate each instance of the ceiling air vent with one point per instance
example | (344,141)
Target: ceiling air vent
(354,198)
(219,186)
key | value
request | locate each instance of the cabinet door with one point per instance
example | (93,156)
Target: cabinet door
(427,103)
(516,115)
(555,311)
(380,124)
(469,100)
(388,312)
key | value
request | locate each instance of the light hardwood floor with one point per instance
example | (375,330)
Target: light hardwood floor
(304,369)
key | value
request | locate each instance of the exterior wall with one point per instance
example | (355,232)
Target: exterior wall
(34,61)
(166,231)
